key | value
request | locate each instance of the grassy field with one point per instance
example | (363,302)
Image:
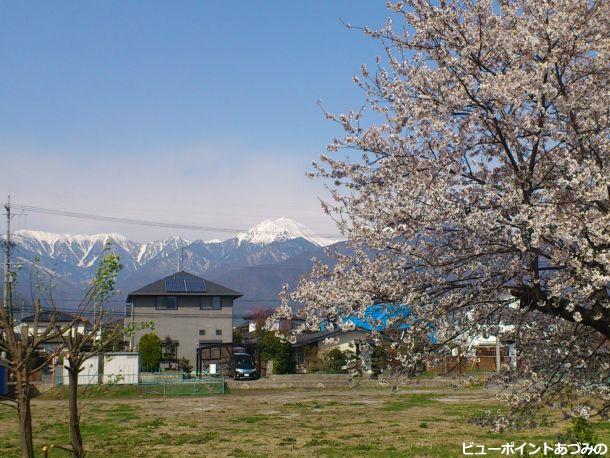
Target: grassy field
(246,423)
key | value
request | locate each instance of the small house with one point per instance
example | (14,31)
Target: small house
(381,319)
(36,325)
(188,311)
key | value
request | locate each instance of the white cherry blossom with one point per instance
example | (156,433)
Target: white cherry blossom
(481,178)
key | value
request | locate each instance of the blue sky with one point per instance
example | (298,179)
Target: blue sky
(194,112)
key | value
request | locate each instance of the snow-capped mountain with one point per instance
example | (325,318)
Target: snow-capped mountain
(148,251)
(85,250)
(281,229)
(73,259)
(68,247)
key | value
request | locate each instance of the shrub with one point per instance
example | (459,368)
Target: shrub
(169,350)
(238,338)
(379,358)
(334,361)
(279,351)
(580,431)
(185,365)
(151,352)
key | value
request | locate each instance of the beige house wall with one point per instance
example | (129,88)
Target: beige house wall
(183,324)
(346,341)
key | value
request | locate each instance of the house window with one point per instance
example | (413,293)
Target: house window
(216,305)
(167,303)
(219,332)
(211,302)
(202,332)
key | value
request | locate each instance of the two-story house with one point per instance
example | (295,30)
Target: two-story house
(36,325)
(188,309)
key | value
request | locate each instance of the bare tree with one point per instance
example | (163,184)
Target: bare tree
(91,332)
(84,334)
(22,345)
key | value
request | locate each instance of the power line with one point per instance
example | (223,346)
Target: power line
(139,222)
(88,216)
(124,302)
(114,219)
(142,314)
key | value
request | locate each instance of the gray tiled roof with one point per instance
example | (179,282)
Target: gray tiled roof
(307,338)
(157,288)
(46,316)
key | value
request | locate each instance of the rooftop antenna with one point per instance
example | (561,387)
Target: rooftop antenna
(181,259)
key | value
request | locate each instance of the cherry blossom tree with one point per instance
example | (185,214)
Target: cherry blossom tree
(473,185)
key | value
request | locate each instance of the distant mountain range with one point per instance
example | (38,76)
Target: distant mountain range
(256,262)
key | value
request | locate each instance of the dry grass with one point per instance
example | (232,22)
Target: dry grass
(371,422)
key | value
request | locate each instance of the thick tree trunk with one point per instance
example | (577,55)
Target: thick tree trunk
(76,439)
(25,413)
(534,298)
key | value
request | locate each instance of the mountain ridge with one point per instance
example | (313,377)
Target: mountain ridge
(245,260)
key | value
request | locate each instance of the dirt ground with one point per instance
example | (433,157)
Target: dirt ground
(247,423)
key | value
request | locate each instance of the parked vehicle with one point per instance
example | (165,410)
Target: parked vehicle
(226,358)
(243,367)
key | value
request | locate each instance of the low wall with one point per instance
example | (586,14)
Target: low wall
(329,381)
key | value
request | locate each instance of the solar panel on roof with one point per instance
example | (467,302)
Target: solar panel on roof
(175,284)
(194,284)
(184,283)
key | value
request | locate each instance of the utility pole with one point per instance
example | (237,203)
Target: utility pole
(181,259)
(132,326)
(8,294)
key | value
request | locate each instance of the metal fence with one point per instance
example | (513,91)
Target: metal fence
(176,384)
(154,383)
